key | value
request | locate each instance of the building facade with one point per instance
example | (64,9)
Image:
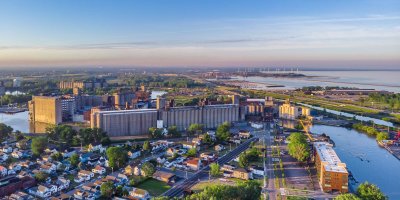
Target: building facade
(45,109)
(288,111)
(332,173)
(125,122)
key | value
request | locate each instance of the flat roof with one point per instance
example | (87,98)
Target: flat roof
(126,111)
(329,156)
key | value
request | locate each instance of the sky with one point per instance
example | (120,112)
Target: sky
(199,33)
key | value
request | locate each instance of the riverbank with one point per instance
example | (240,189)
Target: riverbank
(12,110)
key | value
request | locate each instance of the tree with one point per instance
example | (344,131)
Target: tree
(117,157)
(195,128)
(192,152)
(368,191)
(121,191)
(298,147)
(243,160)
(74,159)
(146,146)
(38,145)
(19,136)
(5,131)
(92,135)
(382,136)
(173,131)
(41,176)
(107,189)
(207,139)
(222,132)
(61,134)
(248,190)
(148,169)
(214,169)
(155,132)
(56,156)
(347,196)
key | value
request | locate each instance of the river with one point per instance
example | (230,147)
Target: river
(18,121)
(358,117)
(364,158)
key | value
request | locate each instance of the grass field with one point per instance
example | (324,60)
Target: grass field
(154,187)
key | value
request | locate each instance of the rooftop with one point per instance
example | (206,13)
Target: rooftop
(329,156)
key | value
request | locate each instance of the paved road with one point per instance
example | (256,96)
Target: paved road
(177,190)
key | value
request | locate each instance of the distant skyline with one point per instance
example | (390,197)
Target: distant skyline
(186,33)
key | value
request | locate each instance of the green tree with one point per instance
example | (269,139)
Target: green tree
(117,157)
(155,132)
(195,129)
(5,131)
(298,147)
(243,160)
(191,152)
(74,159)
(173,131)
(41,176)
(19,136)
(56,156)
(214,169)
(107,189)
(207,139)
(62,135)
(148,169)
(38,145)
(347,196)
(222,132)
(382,136)
(368,191)
(146,146)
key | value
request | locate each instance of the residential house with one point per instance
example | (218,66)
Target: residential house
(208,156)
(3,156)
(133,155)
(7,149)
(3,171)
(86,174)
(95,147)
(83,195)
(242,173)
(257,170)
(21,196)
(244,134)
(41,191)
(139,193)
(52,188)
(16,154)
(15,166)
(219,147)
(228,168)
(129,170)
(62,183)
(164,176)
(48,168)
(196,141)
(11,184)
(68,152)
(190,145)
(194,164)
(99,170)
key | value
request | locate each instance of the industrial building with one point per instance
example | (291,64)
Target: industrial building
(90,84)
(288,111)
(332,173)
(125,122)
(45,109)
(138,121)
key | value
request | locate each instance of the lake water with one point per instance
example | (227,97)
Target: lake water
(364,158)
(379,80)
(154,94)
(18,121)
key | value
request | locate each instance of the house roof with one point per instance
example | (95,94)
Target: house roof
(194,161)
(241,170)
(163,174)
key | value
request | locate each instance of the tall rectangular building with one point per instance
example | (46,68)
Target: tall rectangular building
(45,109)
(332,173)
(125,122)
